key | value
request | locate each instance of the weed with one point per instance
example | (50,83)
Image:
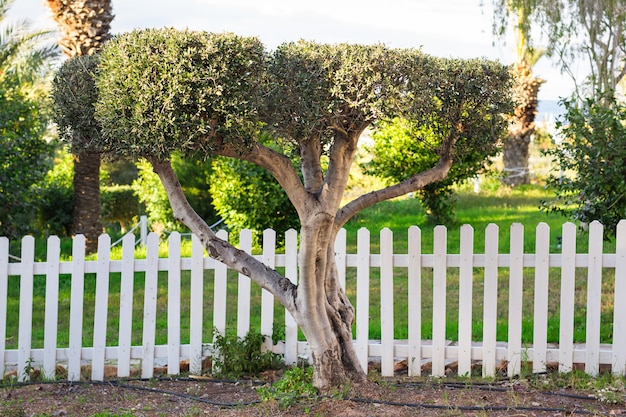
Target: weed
(296,383)
(235,357)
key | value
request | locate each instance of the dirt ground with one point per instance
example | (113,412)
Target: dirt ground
(399,396)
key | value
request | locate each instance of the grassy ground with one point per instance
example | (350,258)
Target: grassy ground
(502,207)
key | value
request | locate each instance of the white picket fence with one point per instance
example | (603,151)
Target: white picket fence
(489,352)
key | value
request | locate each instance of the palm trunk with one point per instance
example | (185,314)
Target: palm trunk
(87,207)
(516,145)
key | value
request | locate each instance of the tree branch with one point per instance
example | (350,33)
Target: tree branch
(414,183)
(219,249)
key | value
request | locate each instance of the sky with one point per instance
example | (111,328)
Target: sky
(446,28)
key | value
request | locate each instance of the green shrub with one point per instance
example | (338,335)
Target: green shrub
(237,358)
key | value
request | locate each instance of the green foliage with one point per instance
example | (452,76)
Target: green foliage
(168,90)
(236,358)
(120,204)
(402,148)
(152,195)
(25,156)
(592,158)
(247,196)
(56,197)
(296,383)
(195,176)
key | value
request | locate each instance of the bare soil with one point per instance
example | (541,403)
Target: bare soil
(399,396)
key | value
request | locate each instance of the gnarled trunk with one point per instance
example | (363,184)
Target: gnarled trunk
(324,312)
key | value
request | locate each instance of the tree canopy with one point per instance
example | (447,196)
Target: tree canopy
(161,92)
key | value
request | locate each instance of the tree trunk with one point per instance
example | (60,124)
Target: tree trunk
(516,144)
(87,208)
(324,312)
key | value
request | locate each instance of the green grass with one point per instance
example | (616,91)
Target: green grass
(500,207)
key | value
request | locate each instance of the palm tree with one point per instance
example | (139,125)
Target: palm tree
(84,25)
(516,144)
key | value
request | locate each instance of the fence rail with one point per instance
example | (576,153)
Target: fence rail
(472,268)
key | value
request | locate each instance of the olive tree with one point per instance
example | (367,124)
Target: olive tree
(197,93)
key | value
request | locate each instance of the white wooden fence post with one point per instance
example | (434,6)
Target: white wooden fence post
(243,289)
(386,302)
(490,300)
(414,300)
(439,301)
(568,290)
(52,307)
(150,306)
(126,306)
(362,296)
(74,353)
(26,308)
(340,257)
(466,279)
(173,304)
(219,292)
(267,298)
(4,293)
(516,288)
(196,353)
(101,308)
(619,313)
(291,273)
(542,276)
(594,295)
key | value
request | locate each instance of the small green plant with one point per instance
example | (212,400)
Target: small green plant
(296,383)
(236,357)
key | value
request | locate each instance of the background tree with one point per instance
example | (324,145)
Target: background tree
(403,148)
(25,156)
(165,91)
(519,14)
(84,26)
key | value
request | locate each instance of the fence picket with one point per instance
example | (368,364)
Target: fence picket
(386,302)
(243,289)
(415,301)
(516,287)
(173,304)
(267,299)
(540,324)
(619,313)
(490,300)
(195,306)
(291,273)
(126,306)
(340,257)
(4,294)
(465,300)
(594,294)
(76,308)
(26,308)
(362,296)
(52,307)
(439,301)
(101,308)
(568,291)
(150,305)
(219,292)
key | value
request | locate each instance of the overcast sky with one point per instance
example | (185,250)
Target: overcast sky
(447,28)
